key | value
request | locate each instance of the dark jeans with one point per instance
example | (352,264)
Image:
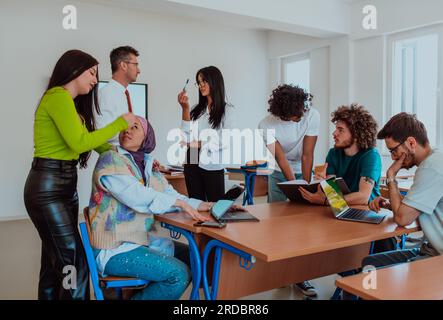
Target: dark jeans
(168,276)
(51,200)
(204,184)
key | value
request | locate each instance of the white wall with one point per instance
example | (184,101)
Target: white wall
(396,16)
(319,86)
(369,75)
(171,50)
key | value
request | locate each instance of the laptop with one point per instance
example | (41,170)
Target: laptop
(233,193)
(220,213)
(340,207)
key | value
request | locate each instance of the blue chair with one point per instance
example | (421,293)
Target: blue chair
(118,283)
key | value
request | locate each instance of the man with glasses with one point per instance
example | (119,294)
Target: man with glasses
(114,98)
(407,141)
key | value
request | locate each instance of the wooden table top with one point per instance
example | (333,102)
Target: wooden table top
(418,280)
(288,229)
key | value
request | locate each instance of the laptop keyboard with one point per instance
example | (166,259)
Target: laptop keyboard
(355,214)
(229,215)
(362,216)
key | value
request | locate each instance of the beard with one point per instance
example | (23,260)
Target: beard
(344,145)
(409,161)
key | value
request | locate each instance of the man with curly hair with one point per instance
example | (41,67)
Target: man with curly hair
(290,132)
(354,158)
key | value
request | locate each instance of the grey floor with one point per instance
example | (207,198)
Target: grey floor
(325,289)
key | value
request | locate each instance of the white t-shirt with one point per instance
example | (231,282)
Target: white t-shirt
(290,135)
(426,196)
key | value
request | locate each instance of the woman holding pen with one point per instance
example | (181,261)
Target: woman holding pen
(202,126)
(64,135)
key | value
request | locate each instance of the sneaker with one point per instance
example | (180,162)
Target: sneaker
(306,288)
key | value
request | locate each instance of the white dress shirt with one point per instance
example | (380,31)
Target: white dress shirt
(212,143)
(113,103)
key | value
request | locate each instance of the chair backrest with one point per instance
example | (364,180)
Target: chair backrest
(86,234)
(88,222)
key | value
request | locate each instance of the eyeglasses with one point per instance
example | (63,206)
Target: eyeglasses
(129,62)
(392,151)
(201,84)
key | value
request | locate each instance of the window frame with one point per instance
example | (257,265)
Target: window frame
(291,59)
(391,40)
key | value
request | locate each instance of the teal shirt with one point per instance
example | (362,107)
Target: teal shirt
(366,163)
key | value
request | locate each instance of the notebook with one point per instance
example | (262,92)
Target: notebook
(292,192)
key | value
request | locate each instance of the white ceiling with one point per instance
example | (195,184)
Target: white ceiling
(315,18)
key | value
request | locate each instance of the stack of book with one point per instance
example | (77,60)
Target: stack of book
(174,170)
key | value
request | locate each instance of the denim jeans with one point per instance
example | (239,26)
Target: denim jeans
(274,192)
(168,276)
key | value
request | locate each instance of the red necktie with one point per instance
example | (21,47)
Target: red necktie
(129,101)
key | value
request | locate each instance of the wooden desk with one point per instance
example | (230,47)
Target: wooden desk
(404,184)
(292,243)
(178,183)
(419,280)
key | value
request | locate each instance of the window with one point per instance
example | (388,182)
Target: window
(296,70)
(414,84)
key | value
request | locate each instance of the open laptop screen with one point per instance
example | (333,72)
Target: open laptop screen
(334,195)
(220,208)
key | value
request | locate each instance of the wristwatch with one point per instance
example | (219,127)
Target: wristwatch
(389,180)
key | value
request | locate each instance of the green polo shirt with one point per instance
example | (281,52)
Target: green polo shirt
(366,163)
(59,132)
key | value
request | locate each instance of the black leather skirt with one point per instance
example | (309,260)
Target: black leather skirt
(51,200)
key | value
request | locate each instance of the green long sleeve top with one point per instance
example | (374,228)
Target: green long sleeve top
(59,132)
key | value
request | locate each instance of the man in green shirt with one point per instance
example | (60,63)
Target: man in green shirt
(355,159)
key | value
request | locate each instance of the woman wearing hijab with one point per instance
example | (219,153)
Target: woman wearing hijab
(126,193)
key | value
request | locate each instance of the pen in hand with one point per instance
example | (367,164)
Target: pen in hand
(184,88)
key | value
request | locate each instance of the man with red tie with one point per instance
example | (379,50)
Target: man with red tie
(114,98)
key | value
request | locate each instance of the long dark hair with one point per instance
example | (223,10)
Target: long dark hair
(71,65)
(214,78)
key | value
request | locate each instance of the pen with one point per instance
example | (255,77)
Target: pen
(184,88)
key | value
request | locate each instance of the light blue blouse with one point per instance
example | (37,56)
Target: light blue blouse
(129,191)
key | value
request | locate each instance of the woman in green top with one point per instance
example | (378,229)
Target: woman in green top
(64,135)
